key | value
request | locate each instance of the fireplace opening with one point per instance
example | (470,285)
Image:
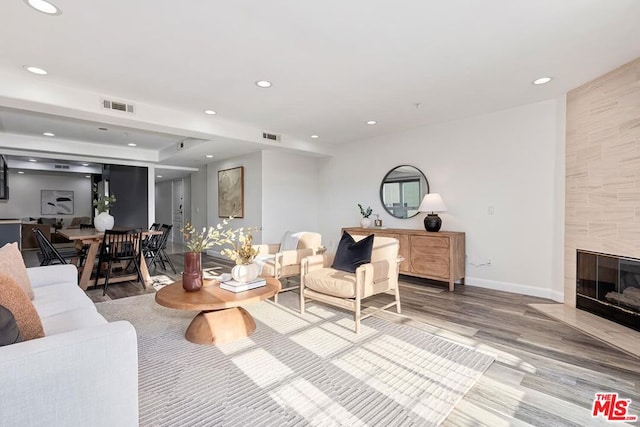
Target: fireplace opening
(609,286)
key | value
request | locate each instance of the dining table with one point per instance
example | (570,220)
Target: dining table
(93,238)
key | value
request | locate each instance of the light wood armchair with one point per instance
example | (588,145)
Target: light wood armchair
(320,282)
(283,264)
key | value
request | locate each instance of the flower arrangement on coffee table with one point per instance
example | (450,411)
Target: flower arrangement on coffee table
(243,253)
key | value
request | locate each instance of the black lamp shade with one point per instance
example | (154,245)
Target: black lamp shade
(432,222)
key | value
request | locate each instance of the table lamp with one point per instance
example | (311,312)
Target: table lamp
(432,203)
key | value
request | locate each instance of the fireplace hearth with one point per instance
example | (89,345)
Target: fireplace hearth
(609,286)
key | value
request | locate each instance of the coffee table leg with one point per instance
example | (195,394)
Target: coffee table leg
(220,326)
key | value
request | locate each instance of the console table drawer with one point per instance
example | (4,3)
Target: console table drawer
(432,265)
(423,243)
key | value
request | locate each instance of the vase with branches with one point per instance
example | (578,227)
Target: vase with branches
(198,242)
(243,252)
(102,203)
(365,222)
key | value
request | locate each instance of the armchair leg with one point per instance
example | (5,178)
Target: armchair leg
(275,298)
(398,309)
(301,301)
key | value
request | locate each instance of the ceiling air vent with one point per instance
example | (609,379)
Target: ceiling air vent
(271,136)
(61,166)
(117,105)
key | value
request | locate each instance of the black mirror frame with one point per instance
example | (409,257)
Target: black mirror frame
(382,187)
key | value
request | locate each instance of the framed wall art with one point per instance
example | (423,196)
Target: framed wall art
(231,192)
(56,202)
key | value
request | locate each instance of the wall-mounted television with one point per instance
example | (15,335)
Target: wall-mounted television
(4,182)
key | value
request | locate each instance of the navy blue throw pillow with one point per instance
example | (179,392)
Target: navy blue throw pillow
(9,332)
(351,254)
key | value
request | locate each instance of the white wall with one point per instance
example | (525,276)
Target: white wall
(507,160)
(24,194)
(289,194)
(199,195)
(252,191)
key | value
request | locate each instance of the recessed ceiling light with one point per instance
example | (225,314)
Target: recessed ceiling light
(49,134)
(35,70)
(209,112)
(315,136)
(158,176)
(131,144)
(542,80)
(87,176)
(33,160)
(371,122)
(209,156)
(263,83)
(85,164)
(103,129)
(44,7)
(21,172)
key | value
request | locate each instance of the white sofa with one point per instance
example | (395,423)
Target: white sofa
(83,372)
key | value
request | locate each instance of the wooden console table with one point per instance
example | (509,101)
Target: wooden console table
(438,256)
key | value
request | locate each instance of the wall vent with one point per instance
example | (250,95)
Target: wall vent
(117,105)
(61,166)
(271,136)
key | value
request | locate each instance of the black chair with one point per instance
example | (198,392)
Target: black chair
(155,252)
(150,240)
(83,249)
(49,254)
(119,246)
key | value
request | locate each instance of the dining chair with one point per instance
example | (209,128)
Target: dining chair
(83,248)
(49,254)
(119,246)
(156,250)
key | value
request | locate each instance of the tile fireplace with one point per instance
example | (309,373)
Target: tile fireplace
(609,286)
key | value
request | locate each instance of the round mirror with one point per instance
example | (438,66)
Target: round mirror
(402,190)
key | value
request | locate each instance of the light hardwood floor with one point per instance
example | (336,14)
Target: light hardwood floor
(546,373)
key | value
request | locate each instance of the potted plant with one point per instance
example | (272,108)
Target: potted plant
(196,243)
(243,253)
(102,203)
(365,222)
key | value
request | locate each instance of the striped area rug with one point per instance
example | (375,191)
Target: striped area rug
(295,370)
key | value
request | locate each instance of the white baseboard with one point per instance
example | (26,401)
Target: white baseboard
(515,288)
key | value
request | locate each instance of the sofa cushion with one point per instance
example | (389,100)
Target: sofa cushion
(9,332)
(72,320)
(351,254)
(13,298)
(58,298)
(12,264)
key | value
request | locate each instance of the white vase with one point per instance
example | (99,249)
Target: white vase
(103,222)
(244,273)
(365,222)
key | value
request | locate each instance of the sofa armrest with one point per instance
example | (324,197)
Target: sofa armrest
(85,377)
(48,275)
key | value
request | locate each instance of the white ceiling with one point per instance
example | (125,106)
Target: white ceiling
(334,64)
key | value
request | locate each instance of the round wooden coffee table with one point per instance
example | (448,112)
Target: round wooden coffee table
(221,319)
